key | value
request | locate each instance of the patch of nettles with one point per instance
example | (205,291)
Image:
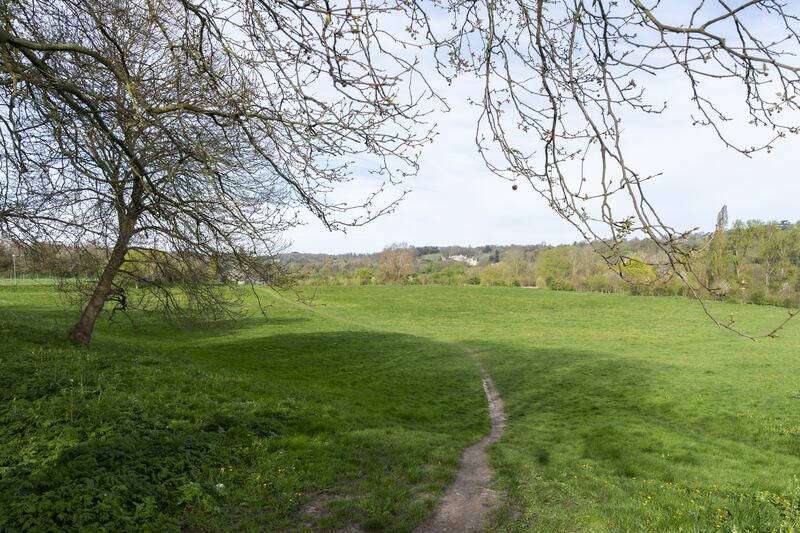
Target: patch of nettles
(92,441)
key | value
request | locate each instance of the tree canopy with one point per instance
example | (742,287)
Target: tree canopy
(195,129)
(199,127)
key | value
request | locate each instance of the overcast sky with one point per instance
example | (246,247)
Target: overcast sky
(455,200)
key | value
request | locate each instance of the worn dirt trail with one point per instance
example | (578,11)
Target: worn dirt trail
(465,505)
(467,502)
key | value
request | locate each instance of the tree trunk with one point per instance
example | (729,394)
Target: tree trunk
(81,333)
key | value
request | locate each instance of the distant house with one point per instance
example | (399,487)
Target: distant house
(469,261)
(252,281)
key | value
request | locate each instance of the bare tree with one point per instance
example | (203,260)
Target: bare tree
(192,132)
(561,75)
(397,263)
(197,126)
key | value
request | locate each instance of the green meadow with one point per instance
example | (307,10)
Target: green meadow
(624,414)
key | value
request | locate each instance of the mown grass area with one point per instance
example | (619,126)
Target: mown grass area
(302,423)
(625,413)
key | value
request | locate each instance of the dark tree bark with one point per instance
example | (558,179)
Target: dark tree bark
(81,332)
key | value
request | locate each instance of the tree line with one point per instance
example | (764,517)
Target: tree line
(751,262)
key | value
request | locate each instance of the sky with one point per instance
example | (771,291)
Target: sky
(455,200)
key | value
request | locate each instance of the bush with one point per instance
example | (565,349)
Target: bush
(599,283)
(496,274)
(554,269)
(364,276)
(756,295)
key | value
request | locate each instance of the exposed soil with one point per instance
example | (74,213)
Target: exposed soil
(467,502)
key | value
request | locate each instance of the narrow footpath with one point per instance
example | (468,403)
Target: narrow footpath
(465,505)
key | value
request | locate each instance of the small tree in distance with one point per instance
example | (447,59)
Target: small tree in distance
(397,264)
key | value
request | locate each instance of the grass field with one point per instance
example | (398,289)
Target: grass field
(625,413)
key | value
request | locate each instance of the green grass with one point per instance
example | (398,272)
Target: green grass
(308,423)
(8,282)
(625,413)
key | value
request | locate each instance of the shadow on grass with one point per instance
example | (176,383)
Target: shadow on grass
(49,325)
(233,435)
(592,435)
(141,429)
(585,403)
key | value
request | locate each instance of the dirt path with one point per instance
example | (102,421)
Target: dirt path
(467,502)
